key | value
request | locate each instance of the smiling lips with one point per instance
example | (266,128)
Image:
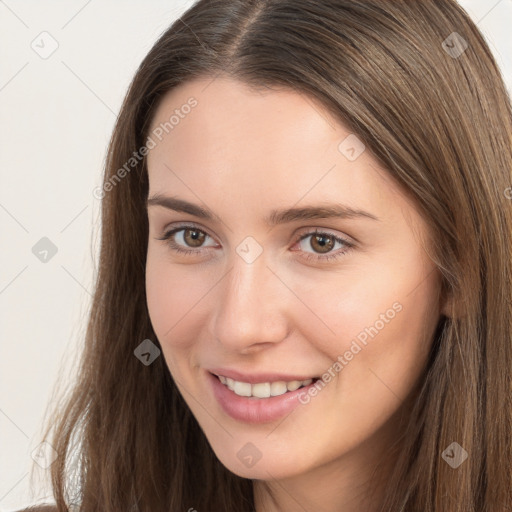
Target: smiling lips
(266,398)
(262,389)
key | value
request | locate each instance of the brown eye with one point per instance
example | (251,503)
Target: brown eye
(322,246)
(322,243)
(187,240)
(193,237)
(190,240)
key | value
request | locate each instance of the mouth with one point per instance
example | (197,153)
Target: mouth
(261,390)
(265,399)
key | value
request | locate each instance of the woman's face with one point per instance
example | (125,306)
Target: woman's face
(262,299)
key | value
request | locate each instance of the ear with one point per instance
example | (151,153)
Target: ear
(446,309)
(448,306)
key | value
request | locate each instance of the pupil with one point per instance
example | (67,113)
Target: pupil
(324,242)
(194,237)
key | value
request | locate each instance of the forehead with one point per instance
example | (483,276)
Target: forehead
(278,145)
(232,121)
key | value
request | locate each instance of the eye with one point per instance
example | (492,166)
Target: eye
(188,236)
(323,244)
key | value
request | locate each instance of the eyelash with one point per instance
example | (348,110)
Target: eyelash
(309,256)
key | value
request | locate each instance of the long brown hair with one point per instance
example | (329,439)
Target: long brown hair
(419,86)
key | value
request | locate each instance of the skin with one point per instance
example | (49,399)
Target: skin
(242,153)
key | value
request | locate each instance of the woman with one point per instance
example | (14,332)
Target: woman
(303,299)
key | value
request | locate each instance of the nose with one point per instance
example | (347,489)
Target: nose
(250,311)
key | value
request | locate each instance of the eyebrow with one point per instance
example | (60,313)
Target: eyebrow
(332,210)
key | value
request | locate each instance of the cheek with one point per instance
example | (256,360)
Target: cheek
(384,370)
(343,306)
(176,298)
(160,298)
(169,299)
(167,295)
(379,321)
(386,349)
(383,329)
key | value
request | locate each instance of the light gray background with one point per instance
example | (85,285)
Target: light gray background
(57,114)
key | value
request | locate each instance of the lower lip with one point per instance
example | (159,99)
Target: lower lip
(255,410)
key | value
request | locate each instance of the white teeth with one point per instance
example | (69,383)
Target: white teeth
(242,388)
(293,385)
(278,388)
(262,389)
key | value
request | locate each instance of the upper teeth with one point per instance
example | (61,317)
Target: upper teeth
(263,389)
